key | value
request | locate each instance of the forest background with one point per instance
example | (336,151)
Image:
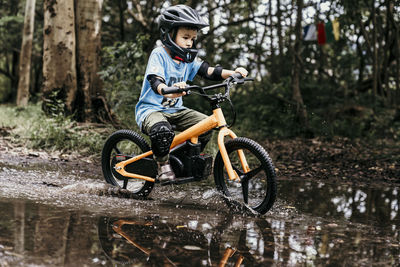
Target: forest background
(87,61)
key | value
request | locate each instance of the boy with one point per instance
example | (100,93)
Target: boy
(172,65)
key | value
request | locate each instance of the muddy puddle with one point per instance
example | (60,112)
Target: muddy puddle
(55,217)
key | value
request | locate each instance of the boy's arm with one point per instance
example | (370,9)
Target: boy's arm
(226,73)
(157,83)
(218,73)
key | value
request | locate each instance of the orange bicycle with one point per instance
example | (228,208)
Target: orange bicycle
(243,170)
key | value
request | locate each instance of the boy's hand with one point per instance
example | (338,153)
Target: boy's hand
(242,71)
(180,85)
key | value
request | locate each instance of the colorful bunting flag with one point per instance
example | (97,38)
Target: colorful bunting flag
(310,33)
(335,25)
(329,32)
(323,33)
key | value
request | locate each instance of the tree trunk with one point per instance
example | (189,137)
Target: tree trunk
(88,22)
(297,97)
(361,67)
(274,73)
(280,38)
(394,51)
(14,75)
(397,73)
(25,56)
(259,50)
(209,47)
(279,28)
(121,9)
(387,54)
(375,52)
(59,58)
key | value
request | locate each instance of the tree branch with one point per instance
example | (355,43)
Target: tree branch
(233,23)
(139,16)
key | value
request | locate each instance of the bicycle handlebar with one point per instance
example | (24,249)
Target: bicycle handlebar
(235,78)
(215,99)
(174,90)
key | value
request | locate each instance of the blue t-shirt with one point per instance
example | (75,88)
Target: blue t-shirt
(161,64)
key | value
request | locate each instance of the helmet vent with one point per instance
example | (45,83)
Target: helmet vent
(175,13)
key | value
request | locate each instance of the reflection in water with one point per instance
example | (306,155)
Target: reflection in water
(361,224)
(312,224)
(127,241)
(43,235)
(34,234)
(378,206)
(157,243)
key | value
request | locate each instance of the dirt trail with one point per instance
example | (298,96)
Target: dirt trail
(350,161)
(312,223)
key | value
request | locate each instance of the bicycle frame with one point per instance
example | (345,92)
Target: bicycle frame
(216,120)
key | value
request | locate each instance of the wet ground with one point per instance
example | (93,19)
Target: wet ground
(56,216)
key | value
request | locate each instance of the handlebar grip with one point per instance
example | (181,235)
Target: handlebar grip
(238,78)
(237,75)
(174,90)
(171,90)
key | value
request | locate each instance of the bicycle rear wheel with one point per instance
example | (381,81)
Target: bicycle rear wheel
(256,188)
(124,144)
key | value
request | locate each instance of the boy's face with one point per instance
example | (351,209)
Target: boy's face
(185,37)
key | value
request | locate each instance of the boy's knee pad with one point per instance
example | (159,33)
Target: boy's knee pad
(161,136)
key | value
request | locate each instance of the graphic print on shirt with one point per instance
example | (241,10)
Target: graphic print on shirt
(171,102)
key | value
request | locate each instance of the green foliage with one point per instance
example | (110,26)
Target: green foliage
(123,69)
(4,88)
(10,30)
(53,104)
(33,129)
(64,134)
(264,111)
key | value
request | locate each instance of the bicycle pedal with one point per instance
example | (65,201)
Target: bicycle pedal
(171,182)
(168,183)
(163,183)
(180,180)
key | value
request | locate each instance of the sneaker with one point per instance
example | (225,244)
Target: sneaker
(165,172)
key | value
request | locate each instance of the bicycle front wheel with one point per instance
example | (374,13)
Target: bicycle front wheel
(257,187)
(124,144)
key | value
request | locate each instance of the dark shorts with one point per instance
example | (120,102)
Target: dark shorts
(182,119)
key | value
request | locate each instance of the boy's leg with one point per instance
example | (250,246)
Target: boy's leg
(161,135)
(187,118)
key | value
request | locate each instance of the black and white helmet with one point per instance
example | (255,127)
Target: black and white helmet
(175,16)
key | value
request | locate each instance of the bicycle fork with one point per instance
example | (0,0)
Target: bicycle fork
(228,165)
